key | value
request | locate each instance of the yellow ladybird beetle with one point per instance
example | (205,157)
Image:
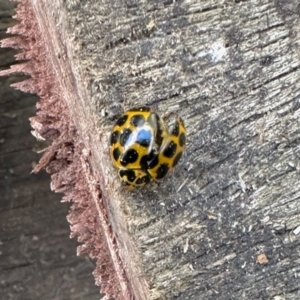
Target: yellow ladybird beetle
(143,148)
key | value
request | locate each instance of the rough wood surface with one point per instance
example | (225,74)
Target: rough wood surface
(37,258)
(225,224)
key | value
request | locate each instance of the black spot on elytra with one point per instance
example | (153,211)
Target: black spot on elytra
(130,174)
(175,130)
(144,138)
(122,173)
(148,159)
(162,171)
(140,108)
(114,137)
(176,159)
(143,180)
(122,120)
(124,136)
(170,150)
(116,153)
(182,139)
(153,163)
(137,120)
(144,143)
(129,157)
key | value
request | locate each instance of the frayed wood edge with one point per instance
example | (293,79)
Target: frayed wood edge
(66,159)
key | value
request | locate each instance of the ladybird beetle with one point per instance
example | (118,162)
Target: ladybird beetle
(143,148)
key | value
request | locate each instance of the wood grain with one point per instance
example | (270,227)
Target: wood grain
(231,69)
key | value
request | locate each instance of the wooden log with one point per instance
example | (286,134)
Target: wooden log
(225,223)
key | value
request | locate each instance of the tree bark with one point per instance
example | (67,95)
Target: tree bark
(226,223)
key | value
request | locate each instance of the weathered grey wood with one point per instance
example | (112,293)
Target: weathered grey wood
(37,259)
(225,224)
